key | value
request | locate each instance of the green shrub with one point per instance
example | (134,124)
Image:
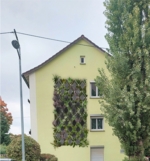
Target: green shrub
(54,159)
(45,157)
(48,157)
(32,149)
(134,159)
(3,149)
(129,159)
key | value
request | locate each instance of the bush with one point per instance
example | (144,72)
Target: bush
(32,149)
(54,159)
(135,159)
(3,149)
(48,157)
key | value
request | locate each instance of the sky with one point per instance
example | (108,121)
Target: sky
(57,19)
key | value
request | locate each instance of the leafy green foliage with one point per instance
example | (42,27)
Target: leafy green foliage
(135,159)
(48,157)
(129,159)
(5,122)
(54,159)
(70,112)
(147,151)
(4,137)
(32,149)
(3,149)
(126,91)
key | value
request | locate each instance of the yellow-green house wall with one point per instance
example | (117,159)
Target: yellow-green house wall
(67,65)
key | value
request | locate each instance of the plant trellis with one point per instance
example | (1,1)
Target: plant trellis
(70,112)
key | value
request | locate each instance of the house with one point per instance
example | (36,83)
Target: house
(80,60)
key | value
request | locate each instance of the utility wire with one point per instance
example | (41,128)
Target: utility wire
(6,32)
(56,39)
(50,39)
(43,37)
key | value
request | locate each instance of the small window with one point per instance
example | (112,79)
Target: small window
(94,90)
(82,59)
(97,123)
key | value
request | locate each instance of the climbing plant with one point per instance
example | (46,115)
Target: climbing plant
(70,112)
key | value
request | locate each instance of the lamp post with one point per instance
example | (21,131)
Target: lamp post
(16,45)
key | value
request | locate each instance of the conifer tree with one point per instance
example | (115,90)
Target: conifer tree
(126,90)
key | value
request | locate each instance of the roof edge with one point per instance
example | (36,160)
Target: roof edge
(26,74)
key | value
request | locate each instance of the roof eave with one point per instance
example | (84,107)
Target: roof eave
(26,74)
(25,79)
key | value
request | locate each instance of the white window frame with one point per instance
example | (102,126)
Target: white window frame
(96,117)
(81,59)
(91,82)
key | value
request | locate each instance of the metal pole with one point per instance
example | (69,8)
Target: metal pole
(21,100)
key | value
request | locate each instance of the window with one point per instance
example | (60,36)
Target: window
(97,123)
(97,153)
(94,90)
(82,59)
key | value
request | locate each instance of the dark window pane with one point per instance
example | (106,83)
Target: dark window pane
(100,123)
(93,123)
(82,60)
(93,89)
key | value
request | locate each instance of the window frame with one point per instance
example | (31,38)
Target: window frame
(92,82)
(82,56)
(97,117)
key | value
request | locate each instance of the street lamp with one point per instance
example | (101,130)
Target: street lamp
(16,45)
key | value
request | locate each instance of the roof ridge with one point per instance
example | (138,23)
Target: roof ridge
(27,73)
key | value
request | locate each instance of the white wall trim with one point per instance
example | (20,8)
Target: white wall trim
(33,110)
(96,116)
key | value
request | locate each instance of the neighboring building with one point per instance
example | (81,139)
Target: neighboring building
(79,60)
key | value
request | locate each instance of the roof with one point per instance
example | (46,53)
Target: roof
(26,74)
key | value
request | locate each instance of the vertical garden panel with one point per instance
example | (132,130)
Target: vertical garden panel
(70,112)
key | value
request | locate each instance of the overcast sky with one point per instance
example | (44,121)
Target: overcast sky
(58,19)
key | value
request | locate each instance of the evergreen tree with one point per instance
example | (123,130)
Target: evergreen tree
(5,122)
(126,90)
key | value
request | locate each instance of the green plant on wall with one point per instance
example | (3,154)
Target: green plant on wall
(70,112)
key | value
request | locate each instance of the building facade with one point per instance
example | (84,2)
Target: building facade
(79,60)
